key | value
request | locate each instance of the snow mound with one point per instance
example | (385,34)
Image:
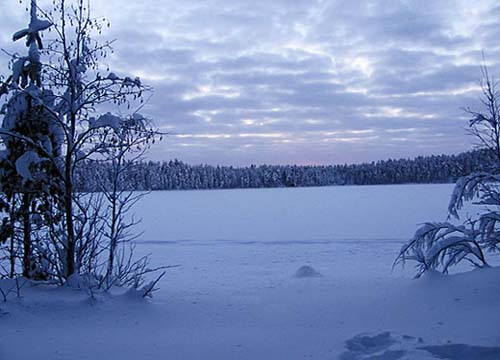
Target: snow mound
(81,281)
(386,346)
(306,271)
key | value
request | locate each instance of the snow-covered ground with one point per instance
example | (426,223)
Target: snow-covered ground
(242,292)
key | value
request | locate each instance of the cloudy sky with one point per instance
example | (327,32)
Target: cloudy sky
(303,81)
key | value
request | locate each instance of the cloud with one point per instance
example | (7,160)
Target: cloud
(306,81)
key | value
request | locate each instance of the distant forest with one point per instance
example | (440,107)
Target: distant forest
(176,175)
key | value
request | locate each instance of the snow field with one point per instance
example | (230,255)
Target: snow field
(236,295)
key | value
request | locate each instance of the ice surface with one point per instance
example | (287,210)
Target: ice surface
(299,214)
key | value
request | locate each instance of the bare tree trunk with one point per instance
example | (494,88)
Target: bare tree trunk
(26,235)
(113,232)
(12,257)
(68,209)
(113,238)
(12,247)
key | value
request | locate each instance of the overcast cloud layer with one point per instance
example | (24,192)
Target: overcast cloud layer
(303,81)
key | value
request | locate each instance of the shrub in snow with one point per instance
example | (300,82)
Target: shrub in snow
(437,246)
(139,291)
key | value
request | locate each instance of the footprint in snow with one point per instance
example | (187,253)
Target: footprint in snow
(386,346)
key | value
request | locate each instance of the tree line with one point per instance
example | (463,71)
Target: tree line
(177,175)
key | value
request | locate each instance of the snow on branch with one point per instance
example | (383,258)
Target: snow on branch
(25,164)
(476,185)
(437,246)
(32,31)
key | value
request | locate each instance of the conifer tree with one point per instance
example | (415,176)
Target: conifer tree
(30,143)
(54,122)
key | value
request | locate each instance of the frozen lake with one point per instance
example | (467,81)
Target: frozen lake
(250,239)
(390,212)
